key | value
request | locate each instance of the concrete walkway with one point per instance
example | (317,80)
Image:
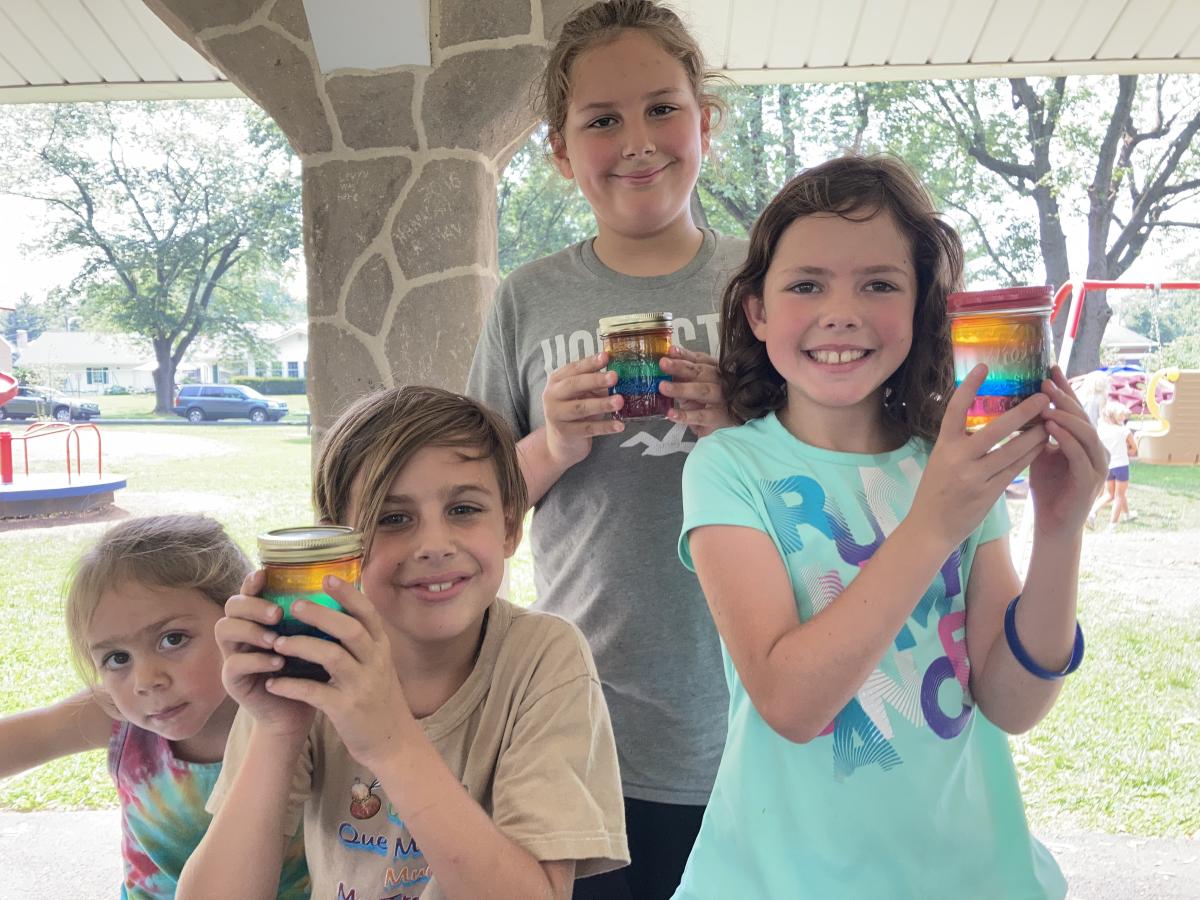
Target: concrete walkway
(77,855)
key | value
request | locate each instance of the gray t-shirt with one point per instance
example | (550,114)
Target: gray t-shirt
(604,535)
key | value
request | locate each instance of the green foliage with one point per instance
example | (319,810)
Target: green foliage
(538,211)
(184,212)
(1170,315)
(25,316)
(1181,353)
(24,376)
(272,386)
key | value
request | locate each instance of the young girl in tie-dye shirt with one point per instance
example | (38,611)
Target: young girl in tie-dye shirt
(140,614)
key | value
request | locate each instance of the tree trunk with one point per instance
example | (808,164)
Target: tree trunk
(164,379)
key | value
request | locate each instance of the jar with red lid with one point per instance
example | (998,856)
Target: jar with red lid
(1009,331)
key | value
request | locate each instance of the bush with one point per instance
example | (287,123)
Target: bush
(116,390)
(272,385)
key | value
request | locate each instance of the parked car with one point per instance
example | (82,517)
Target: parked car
(31,402)
(198,402)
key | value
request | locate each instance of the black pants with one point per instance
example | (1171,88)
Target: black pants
(660,838)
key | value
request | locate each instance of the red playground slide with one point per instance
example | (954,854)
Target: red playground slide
(8,387)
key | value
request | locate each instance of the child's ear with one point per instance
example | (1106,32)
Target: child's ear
(705,129)
(558,153)
(756,315)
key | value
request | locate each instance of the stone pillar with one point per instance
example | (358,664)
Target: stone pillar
(400,168)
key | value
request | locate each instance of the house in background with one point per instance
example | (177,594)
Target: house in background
(1125,344)
(89,362)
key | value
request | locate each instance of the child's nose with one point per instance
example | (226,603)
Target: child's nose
(434,542)
(840,314)
(638,141)
(148,675)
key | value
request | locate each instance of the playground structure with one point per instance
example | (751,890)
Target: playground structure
(71,491)
(1175,439)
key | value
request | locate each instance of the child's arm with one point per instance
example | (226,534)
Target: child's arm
(1131,444)
(72,725)
(366,705)
(801,675)
(241,854)
(577,407)
(1063,482)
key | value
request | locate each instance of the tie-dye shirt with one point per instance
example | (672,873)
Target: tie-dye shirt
(909,792)
(163,816)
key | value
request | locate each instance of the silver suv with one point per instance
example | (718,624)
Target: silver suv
(199,402)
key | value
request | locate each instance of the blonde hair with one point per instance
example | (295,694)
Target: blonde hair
(1115,412)
(176,551)
(602,23)
(373,440)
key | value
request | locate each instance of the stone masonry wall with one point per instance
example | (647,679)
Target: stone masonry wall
(400,168)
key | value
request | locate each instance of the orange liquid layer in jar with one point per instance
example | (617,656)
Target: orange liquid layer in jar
(289,582)
(634,357)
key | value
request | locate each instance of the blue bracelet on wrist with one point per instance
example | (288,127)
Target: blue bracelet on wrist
(1022,655)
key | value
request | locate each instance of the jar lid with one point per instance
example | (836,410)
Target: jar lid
(1014,299)
(635,322)
(309,543)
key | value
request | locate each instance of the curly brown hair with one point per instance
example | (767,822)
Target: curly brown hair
(603,22)
(857,188)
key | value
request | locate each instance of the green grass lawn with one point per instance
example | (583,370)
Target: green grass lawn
(1120,752)
(141,406)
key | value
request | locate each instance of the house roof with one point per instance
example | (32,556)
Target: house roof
(63,50)
(1116,335)
(84,348)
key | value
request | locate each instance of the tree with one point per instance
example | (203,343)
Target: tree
(184,210)
(1118,153)
(25,316)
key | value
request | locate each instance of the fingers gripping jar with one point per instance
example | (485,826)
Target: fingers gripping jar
(295,561)
(1009,331)
(635,344)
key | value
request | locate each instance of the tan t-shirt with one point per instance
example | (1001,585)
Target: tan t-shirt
(527,734)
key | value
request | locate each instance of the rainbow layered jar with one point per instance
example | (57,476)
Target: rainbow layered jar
(1008,330)
(296,560)
(635,344)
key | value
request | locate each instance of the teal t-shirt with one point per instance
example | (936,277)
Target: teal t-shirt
(909,793)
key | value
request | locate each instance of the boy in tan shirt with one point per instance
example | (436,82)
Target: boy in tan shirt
(462,747)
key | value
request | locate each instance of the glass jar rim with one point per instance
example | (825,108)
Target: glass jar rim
(309,543)
(635,322)
(1029,298)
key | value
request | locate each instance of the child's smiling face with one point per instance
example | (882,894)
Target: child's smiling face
(634,135)
(836,313)
(437,558)
(158,660)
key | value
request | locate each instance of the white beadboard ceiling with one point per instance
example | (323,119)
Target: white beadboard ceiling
(111,49)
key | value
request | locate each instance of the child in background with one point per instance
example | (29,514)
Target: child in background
(140,614)
(461,748)
(850,538)
(628,113)
(1093,394)
(1118,441)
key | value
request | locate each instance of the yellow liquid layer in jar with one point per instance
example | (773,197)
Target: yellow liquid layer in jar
(1018,351)
(289,582)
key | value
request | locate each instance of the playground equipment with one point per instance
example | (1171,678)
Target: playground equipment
(8,387)
(1175,441)
(38,494)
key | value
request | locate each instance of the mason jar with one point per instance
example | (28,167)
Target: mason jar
(1009,331)
(634,344)
(296,561)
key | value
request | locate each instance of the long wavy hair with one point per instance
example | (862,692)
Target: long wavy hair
(857,188)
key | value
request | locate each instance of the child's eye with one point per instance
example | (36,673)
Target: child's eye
(663,109)
(602,122)
(464,509)
(802,287)
(115,660)
(174,639)
(394,519)
(881,287)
